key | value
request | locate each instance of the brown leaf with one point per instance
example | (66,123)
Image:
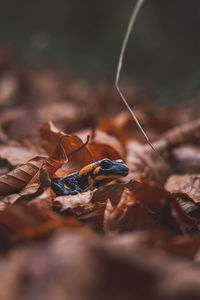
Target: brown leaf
(101,151)
(73,147)
(52,135)
(188,184)
(44,200)
(91,214)
(19,122)
(3,136)
(153,122)
(8,200)
(114,217)
(111,128)
(114,146)
(5,166)
(21,223)
(16,154)
(64,113)
(186,246)
(141,156)
(186,203)
(78,266)
(186,159)
(163,204)
(77,153)
(128,215)
(42,85)
(27,193)
(8,88)
(108,225)
(33,142)
(80,206)
(149,194)
(112,192)
(125,122)
(20,176)
(183,134)
(72,201)
(30,191)
(102,145)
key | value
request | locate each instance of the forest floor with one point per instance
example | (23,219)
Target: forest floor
(134,238)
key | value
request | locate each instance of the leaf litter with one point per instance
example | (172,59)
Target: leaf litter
(111,242)
(147,222)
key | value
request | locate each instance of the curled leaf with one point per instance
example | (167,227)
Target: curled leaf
(77,153)
(100,151)
(102,144)
(20,176)
(30,191)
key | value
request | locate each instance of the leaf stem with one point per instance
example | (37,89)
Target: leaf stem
(120,63)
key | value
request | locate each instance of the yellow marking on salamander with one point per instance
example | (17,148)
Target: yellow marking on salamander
(101,177)
(96,171)
(85,170)
(66,187)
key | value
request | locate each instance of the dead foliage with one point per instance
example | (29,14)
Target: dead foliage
(111,242)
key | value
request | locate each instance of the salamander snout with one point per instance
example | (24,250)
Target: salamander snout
(113,167)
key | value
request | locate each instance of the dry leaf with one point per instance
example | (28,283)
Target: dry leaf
(140,156)
(21,223)
(19,122)
(5,166)
(101,151)
(16,154)
(188,184)
(99,138)
(34,188)
(130,214)
(72,201)
(112,192)
(78,266)
(73,147)
(20,176)
(65,112)
(186,159)
(80,206)
(111,128)
(44,200)
(167,210)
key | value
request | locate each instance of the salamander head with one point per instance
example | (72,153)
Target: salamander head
(104,171)
(111,167)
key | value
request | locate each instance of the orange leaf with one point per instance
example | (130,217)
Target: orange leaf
(73,147)
(100,151)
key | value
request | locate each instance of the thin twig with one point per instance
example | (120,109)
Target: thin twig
(120,62)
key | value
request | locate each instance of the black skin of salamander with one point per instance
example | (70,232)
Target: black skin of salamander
(77,184)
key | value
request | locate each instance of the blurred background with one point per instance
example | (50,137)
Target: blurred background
(83,38)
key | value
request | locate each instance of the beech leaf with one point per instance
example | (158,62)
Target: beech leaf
(20,176)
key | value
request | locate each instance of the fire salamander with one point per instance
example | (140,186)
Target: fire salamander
(95,175)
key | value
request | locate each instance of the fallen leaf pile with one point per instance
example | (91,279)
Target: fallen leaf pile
(135,238)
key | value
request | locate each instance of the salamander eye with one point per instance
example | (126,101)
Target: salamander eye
(106,164)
